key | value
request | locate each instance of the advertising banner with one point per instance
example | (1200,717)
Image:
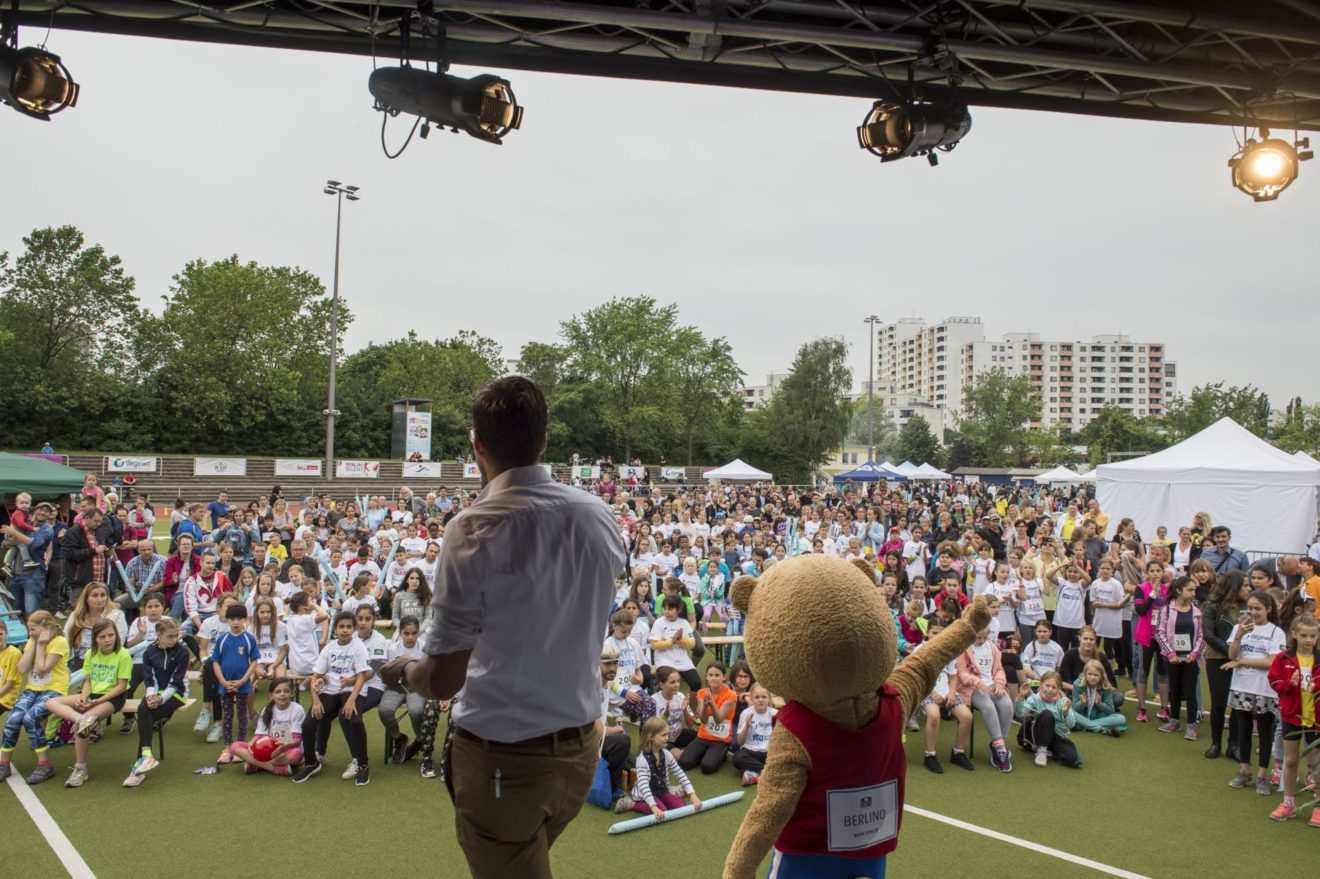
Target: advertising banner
(219,466)
(418,439)
(130,464)
(471,471)
(585,472)
(357,469)
(672,474)
(629,472)
(299,467)
(421,470)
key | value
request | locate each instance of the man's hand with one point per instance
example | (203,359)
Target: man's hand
(394,673)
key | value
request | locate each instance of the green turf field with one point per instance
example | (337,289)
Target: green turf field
(1148,803)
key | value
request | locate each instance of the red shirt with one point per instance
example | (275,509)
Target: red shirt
(853,803)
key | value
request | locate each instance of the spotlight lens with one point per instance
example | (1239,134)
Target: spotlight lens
(1268,165)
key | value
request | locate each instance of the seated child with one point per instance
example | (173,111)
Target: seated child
(282,720)
(672,706)
(107,671)
(1095,703)
(45,662)
(651,793)
(165,673)
(943,702)
(753,735)
(1045,718)
(630,679)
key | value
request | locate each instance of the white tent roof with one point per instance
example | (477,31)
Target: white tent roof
(926,471)
(738,469)
(1088,476)
(1223,453)
(907,468)
(1058,474)
(1306,459)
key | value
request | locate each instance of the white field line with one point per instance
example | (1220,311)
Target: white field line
(54,836)
(1026,844)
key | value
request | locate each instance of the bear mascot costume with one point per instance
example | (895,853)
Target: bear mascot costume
(819,634)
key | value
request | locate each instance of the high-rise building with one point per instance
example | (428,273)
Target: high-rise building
(918,363)
(754,395)
(1076,379)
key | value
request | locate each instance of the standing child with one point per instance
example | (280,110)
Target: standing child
(208,718)
(282,720)
(753,736)
(338,677)
(1181,641)
(655,764)
(165,673)
(1045,719)
(306,632)
(1069,582)
(107,670)
(1107,602)
(272,640)
(1147,598)
(1292,676)
(45,662)
(714,706)
(234,663)
(713,595)
(1252,648)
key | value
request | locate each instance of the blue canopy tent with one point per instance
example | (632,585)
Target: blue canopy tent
(869,472)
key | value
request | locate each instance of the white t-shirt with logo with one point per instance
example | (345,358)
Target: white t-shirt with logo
(675,656)
(1042,657)
(1108,623)
(1032,608)
(339,661)
(761,725)
(268,643)
(671,710)
(284,724)
(983,660)
(1007,594)
(1262,642)
(304,636)
(1071,609)
(377,655)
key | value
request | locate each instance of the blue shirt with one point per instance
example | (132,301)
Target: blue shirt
(235,654)
(41,538)
(217,510)
(192,529)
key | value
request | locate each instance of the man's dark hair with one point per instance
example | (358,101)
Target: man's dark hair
(509,415)
(1220,529)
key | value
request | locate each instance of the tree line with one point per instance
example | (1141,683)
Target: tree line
(236,362)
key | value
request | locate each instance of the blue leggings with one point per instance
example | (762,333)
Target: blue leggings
(28,713)
(783,866)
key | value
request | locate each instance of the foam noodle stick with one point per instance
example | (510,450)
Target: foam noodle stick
(675,814)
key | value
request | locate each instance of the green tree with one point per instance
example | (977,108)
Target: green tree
(1206,404)
(808,414)
(884,430)
(625,349)
(1116,430)
(1050,447)
(998,408)
(238,360)
(705,376)
(1300,430)
(916,441)
(962,452)
(69,317)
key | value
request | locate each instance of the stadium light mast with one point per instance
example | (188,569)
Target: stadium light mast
(339,191)
(871,321)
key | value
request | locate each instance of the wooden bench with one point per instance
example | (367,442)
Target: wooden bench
(131,709)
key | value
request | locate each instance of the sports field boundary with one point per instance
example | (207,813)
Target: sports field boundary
(50,830)
(1023,843)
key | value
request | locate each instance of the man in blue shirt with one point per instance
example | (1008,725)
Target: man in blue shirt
(33,556)
(1221,556)
(193,526)
(219,508)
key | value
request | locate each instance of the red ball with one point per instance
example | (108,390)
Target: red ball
(263,747)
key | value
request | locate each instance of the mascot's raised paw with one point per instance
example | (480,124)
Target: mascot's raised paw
(819,634)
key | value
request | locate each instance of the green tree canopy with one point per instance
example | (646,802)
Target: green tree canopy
(1206,404)
(808,416)
(917,443)
(1116,430)
(999,408)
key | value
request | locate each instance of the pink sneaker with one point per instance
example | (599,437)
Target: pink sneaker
(1283,812)
(1276,775)
(1142,717)
(1310,780)
(1163,714)
(283,770)
(249,769)
(1315,817)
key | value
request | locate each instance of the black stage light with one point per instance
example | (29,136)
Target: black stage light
(1264,168)
(483,106)
(896,131)
(34,82)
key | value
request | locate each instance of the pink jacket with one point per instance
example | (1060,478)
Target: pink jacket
(1164,625)
(969,678)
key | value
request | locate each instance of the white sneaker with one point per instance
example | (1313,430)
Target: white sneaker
(203,720)
(213,735)
(351,771)
(1042,757)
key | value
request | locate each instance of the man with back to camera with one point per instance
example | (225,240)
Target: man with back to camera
(522,596)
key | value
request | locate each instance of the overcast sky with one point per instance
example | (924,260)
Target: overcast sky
(755,212)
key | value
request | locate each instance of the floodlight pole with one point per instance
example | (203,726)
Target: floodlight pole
(335,188)
(870,392)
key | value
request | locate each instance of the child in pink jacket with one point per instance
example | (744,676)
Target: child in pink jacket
(983,685)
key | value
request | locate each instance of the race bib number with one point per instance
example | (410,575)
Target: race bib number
(860,817)
(717,729)
(1182,643)
(1033,607)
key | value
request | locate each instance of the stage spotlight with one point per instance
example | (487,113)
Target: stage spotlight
(1262,169)
(896,131)
(483,106)
(34,82)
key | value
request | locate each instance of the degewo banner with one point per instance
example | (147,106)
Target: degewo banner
(131,464)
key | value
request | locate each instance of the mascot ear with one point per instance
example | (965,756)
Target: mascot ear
(741,593)
(866,568)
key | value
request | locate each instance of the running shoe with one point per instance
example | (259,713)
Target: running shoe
(203,720)
(130,723)
(306,772)
(1190,735)
(6,770)
(961,760)
(83,728)
(1142,717)
(1005,758)
(931,762)
(1276,775)
(213,735)
(132,781)
(76,778)
(351,771)
(1171,726)
(144,764)
(428,769)
(43,772)
(1263,787)
(400,754)
(1042,759)
(1239,781)
(363,776)
(1283,812)
(1162,714)
(1315,818)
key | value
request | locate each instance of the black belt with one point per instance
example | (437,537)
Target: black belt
(567,734)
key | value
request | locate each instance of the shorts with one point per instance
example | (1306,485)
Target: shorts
(1253,703)
(1306,735)
(117,703)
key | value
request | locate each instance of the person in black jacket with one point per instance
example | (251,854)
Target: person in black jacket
(1219,615)
(165,672)
(82,547)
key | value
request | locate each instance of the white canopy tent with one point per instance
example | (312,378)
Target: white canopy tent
(1058,475)
(1088,476)
(907,468)
(738,470)
(1306,459)
(926,471)
(1266,496)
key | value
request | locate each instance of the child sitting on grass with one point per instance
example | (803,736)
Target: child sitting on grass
(282,720)
(1045,720)
(1094,702)
(651,793)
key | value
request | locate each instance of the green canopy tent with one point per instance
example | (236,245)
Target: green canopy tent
(37,476)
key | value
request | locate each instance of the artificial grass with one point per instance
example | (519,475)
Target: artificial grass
(1148,803)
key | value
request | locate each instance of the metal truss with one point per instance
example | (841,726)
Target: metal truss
(1229,62)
